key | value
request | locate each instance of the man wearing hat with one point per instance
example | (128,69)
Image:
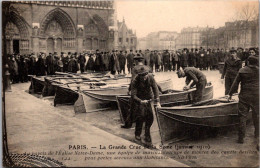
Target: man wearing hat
(198,78)
(113,63)
(50,63)
(144,92)
(82,61)
(231,68)
(184,58)
(166,60)
(130,61)
(248,77)
(122,61)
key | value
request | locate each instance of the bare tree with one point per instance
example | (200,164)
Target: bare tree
(245,17)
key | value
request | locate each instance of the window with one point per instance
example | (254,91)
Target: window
(127,40)
(132,41)
(120,40)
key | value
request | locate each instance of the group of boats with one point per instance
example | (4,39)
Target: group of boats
(178,115)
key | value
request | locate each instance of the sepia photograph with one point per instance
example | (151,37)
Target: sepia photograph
(130,83)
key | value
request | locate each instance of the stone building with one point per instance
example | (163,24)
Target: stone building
(141,43)
(127,39)
(60,26)
(243,34)
(190,37)
(161,40)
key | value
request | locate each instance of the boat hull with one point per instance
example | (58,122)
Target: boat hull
(103,98)
(171,99)
(177,122)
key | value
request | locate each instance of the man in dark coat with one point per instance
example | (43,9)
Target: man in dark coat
(23,69)
(202,60)
(221,55)
(144,92)
(166,60)
(152,60)
(13,69)
(50,63)
(231,68)
(147,57)
(82,61)
(90,63)
(192,58)
(73,65)
(106,61)
(114,63)
(122,61)
(248,77)
(65,61)
(157,61)
(32,64)
(130,61)
(41,68)
(98,62)
(198,78)
(184,58)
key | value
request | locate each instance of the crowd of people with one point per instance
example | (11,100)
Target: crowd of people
(188,63)
(20,66)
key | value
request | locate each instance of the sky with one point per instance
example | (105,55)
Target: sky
(147,16)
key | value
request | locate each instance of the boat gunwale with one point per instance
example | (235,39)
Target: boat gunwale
(198,107)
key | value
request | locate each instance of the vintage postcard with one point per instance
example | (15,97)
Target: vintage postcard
(126,83)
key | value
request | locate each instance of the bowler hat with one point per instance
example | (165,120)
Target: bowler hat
(138,56)
(233,50)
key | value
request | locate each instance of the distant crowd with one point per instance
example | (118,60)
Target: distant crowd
(20,66)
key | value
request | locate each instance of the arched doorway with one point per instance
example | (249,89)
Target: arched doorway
(17,35)
(50,45)
(58,25)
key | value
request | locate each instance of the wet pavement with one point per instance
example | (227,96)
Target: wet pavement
(38,126)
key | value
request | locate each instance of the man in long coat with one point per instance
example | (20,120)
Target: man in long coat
(130,61)
(50,63)
(231,68)
(122,61)
(248,77)
(144,92)
(73,65)
(82,61)
(113,63)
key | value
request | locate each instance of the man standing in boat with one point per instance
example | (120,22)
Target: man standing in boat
(248,96)
(144,92)
(199,79)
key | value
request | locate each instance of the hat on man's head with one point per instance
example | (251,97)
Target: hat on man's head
(252,48)
(233,50)
(143,70)
(138,56)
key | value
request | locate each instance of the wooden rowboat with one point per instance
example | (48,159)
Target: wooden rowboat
(172,98)
(177,122)
(100,98)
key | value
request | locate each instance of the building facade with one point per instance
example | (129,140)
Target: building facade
(190,37)
(127,39)
(161,40)
(60,26)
